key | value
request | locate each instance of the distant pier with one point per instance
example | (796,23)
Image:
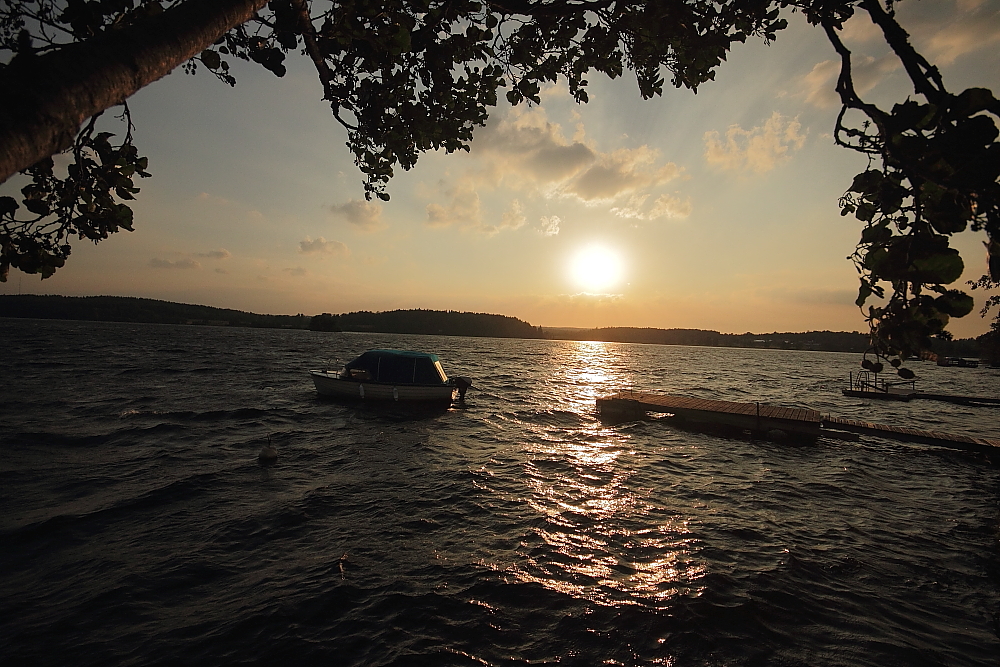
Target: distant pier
(763,419)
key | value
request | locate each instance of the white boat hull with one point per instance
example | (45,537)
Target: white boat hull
(330,384)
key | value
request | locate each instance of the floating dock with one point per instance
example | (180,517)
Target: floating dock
(762,419)
(707,412)
(903,394)
(914,435)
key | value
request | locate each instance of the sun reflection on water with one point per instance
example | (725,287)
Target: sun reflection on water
(600,536)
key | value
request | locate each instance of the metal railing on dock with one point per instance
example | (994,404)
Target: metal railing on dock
(866,384)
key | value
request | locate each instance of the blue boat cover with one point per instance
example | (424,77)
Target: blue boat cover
(400,367)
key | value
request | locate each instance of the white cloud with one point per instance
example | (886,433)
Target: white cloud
(512,218)
(758,149)
(322,247)
(620,173)
(665,206)
(462,210)
(549,225)
(297,271)
(668,206)
(942,31)
(525,149)
(364,215)
(820,85)
(860,29)
(525,152)
(971,31)
(186,263)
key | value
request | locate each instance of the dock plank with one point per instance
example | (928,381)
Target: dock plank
(759,417)
(959,441)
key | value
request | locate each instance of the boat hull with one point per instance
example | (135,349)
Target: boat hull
(329,384)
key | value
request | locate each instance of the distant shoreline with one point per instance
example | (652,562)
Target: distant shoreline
(428,322)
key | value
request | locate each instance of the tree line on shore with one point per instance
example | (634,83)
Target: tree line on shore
(439,322)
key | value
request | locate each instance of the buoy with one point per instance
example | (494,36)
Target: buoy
(340,564)
(268,454)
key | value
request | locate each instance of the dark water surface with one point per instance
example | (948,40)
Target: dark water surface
(137,528)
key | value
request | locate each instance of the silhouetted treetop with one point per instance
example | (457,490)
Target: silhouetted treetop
(407,76)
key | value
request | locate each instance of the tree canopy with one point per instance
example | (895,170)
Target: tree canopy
(407,76)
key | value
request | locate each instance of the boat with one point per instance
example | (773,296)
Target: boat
(958,362)
(391,375)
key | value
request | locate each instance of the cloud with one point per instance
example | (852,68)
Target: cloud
(526,149)
(525,152)
(221,253)
(214,199)
(942,31)
(322,247)
(758,149)
(186,263)
(512,218)
(971,31)
(222,271)
(297,271)
(819,85)
(619,173)
(366,216)
(860,28)
(549,225)
(463,209)
(665,206)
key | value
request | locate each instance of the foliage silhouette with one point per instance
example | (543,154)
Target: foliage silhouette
(407,76)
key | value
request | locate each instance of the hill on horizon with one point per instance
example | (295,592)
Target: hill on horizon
(428,322)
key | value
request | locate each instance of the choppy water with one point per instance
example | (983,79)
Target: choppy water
(136,526)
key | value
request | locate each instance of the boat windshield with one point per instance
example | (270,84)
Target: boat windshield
(397,368)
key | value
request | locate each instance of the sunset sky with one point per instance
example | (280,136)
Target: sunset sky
(714,211)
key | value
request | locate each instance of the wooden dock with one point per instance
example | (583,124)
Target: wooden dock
(914,435)
(707,412)
(763,419)
(903,394)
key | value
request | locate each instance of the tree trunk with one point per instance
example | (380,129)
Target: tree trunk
(46,98)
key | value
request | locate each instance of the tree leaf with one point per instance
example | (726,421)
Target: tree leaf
(943,267)
(955,303)
(8,205)
(211,59)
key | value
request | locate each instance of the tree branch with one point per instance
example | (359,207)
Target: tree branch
(308,33)
(925,77)
(46,98)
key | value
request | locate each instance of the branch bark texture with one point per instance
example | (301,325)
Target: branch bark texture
(47,98)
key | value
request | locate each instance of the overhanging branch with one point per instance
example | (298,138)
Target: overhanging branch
(46,98)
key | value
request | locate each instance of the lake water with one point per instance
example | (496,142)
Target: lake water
(137,527)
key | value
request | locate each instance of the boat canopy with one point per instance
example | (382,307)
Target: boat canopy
(399,367)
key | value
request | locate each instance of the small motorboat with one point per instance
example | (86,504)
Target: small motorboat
(391,375)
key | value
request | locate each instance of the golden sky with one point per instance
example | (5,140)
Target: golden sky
(714,211)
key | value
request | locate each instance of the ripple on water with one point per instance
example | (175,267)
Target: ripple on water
(139,528)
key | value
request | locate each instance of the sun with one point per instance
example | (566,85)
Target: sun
(596,268)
